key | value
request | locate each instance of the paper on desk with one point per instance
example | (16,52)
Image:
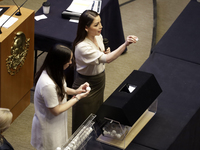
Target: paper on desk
(9,22)
(80,5)
(39,17)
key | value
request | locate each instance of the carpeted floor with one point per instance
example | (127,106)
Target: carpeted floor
(137,18)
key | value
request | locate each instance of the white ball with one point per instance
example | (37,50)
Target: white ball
(105,132)
(88,88)
(112,135)
(118,135)
(114,132)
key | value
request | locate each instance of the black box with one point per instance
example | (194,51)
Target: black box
(127,104)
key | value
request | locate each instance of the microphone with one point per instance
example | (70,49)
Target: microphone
(18,13)
(18,8)
(105,42)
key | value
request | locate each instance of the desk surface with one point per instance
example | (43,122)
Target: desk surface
(9,10)
(55,29)
(175,63)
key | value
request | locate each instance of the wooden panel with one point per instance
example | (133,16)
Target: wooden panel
(13,88)
(21,106)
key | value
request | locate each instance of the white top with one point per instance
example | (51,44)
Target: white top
(48,131)
(90,59)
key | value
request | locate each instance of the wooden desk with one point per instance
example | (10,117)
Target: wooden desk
(15,89)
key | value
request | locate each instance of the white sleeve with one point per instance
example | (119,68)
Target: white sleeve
(102,59)
(50,96)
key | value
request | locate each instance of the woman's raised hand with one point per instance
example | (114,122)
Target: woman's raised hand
(131,39)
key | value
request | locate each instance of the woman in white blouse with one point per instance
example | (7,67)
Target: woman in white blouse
(49,126)
(90,57)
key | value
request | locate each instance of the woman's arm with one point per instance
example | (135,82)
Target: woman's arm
(81,89)
(80,93)
(63,107)
(116,53)
(71,91)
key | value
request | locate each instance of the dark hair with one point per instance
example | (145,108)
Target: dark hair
(56,58)
(86,19)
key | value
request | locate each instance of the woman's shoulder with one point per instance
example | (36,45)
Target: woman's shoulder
(86,41)
(45,79)
(100,37)
(85,44)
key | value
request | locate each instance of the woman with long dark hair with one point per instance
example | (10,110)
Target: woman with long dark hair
(49,127)
(90,57)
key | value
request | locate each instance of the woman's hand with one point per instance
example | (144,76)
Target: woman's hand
(131,39)
(82,92)
(82,88)
(107,51)
(82,95)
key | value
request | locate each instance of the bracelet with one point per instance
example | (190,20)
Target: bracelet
(76,98)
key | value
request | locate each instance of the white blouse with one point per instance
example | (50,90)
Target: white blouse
(90,59)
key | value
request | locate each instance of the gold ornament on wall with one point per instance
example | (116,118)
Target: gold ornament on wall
(19,51)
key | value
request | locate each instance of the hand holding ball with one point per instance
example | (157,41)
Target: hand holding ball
(88,88)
